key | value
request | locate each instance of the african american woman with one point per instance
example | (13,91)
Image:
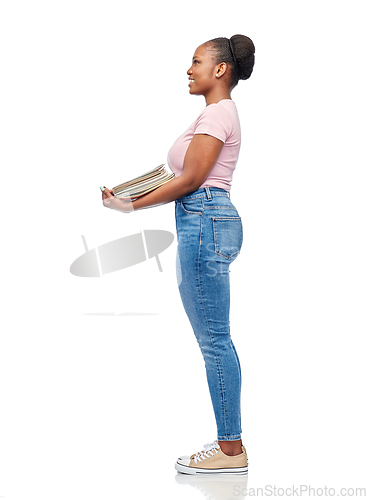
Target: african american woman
(209,235)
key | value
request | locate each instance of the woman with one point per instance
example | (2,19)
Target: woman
(209,234)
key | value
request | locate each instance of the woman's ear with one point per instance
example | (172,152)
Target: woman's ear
(221,69)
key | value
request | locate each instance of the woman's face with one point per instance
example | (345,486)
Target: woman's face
(202,72)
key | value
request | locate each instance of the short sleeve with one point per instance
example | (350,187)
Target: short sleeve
(215,121)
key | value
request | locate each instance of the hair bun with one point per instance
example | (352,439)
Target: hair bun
(244,51)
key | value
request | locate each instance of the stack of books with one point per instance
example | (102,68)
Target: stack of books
(144,183)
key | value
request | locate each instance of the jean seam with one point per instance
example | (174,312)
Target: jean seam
(220,207)
(188,211)
(201,223)
(240,376)
(236,437)
(219,372)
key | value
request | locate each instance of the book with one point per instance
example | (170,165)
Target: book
(144,183)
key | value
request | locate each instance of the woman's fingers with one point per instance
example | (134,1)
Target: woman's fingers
(110,201)
(106,193)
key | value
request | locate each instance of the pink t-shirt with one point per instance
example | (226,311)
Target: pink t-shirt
(219,120)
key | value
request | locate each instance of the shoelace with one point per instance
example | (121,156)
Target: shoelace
(208,451)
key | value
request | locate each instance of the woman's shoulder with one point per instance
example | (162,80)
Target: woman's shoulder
(221,109)
(229,106)
(218,120)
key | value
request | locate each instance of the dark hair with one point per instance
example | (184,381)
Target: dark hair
(244,52)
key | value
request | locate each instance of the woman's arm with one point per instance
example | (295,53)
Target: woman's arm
(201,156)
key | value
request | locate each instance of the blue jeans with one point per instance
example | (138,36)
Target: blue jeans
(209,235)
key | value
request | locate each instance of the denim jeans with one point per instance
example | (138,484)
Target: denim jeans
(209,235)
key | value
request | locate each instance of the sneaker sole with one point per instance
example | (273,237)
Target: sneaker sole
(185,469)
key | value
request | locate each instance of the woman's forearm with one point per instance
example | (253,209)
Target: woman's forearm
(200,158)
(171,190)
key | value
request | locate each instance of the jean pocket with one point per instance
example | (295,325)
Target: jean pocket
(192,206)
(228,236)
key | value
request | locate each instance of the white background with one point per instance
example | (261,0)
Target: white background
(100,406)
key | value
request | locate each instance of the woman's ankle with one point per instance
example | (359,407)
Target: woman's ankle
(231,448)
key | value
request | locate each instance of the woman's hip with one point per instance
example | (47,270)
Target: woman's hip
(209,233)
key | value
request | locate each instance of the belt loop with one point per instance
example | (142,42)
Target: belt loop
(208,193)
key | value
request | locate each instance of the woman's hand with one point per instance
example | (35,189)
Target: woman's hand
(110,201)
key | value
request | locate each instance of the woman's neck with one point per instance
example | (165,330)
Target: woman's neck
(217,95)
